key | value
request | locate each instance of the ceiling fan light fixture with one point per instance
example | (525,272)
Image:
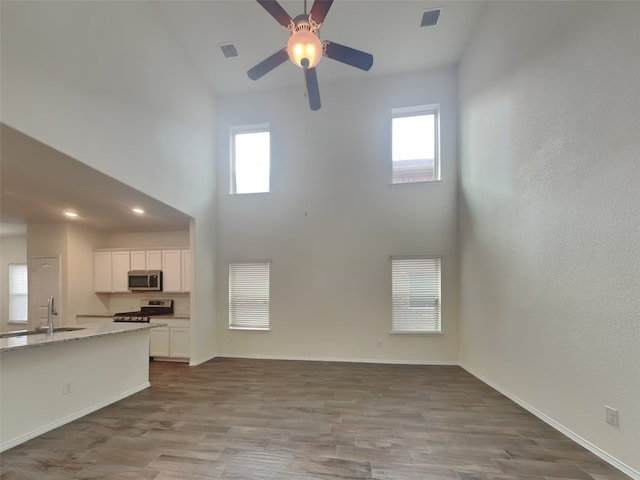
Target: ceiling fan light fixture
(304,44)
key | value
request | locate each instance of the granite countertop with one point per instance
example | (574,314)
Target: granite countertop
(87,331)
(184,316)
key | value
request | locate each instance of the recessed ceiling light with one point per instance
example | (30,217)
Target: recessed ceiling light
(137,210)
(71,214)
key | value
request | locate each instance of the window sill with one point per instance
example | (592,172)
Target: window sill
(393,332)
(427,182)
(250,329)
(17,322)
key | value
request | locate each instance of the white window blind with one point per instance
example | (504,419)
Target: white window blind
(249,295)
(415,144)
(250,159)
(416,294)
(18,293)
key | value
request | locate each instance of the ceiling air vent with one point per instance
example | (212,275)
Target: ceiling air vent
(229,50)
(430,17)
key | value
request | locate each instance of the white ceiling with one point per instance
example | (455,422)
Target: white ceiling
(118,44)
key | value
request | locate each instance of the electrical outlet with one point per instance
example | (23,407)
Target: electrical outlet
(611,416)
(379,344)
(66,389)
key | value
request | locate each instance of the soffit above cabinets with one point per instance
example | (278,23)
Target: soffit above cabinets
(38,183)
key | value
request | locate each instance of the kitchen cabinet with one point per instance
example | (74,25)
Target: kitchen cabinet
(110,271)
(119,274)
(187,270)
(159,342)
(172,342)
(172,270)
(154,259)
(146,260)
(111,268)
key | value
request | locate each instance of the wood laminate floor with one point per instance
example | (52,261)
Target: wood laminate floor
(259,419)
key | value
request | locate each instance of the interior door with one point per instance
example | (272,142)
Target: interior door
(45,284)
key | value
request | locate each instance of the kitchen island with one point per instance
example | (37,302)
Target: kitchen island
(49,380)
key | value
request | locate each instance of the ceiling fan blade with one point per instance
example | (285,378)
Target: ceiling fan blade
(319,10)
(348,55)
(313,92)
(276,11)
(268,64)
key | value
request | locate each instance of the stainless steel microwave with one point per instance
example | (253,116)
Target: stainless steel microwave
(145,281)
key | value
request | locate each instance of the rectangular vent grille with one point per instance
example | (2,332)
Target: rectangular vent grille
(229,50)
(430,18)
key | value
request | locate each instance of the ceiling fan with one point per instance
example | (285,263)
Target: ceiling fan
(304,48)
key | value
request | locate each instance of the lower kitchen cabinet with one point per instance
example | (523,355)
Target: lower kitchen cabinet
(172,342)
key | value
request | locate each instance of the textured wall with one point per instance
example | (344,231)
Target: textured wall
(549,224)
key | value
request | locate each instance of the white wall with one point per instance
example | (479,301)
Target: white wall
(81,242)
(76,76)
(13,249)
(332,221)
(549,225)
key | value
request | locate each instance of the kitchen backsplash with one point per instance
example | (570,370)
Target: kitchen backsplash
(129,302)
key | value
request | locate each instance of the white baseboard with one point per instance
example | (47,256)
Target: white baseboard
(340,360)
(63,421)
(558,426)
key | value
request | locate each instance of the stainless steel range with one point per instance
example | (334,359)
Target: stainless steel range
(148,308)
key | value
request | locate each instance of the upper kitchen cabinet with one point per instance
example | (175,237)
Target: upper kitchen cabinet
(172,271)
(110,271)
(146,260)
(176,270)
(187,270)
(111,268)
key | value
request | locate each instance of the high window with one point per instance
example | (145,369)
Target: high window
(18,293)
(250,159)
(249,295)
(415,144)
(416,294)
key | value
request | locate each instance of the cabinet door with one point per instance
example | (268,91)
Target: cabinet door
(102,271)
(187,270)
(159,342)
(119,270)
(154,260)
(180,338)
(171,270)
(138,260)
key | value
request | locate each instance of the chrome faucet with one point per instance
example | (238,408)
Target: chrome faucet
(50,313)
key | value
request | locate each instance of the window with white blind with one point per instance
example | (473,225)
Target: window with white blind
(18,293)
(416,294)
(249,295)
(250,159)
(415,144)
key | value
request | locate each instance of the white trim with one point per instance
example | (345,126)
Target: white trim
(340,360)
(634,474)
(63,421)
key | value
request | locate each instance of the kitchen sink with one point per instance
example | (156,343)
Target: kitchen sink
(19,333)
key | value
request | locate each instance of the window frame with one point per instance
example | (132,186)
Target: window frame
(23,296)
(398,297)
(246,323)
(416,111)
(240,130)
